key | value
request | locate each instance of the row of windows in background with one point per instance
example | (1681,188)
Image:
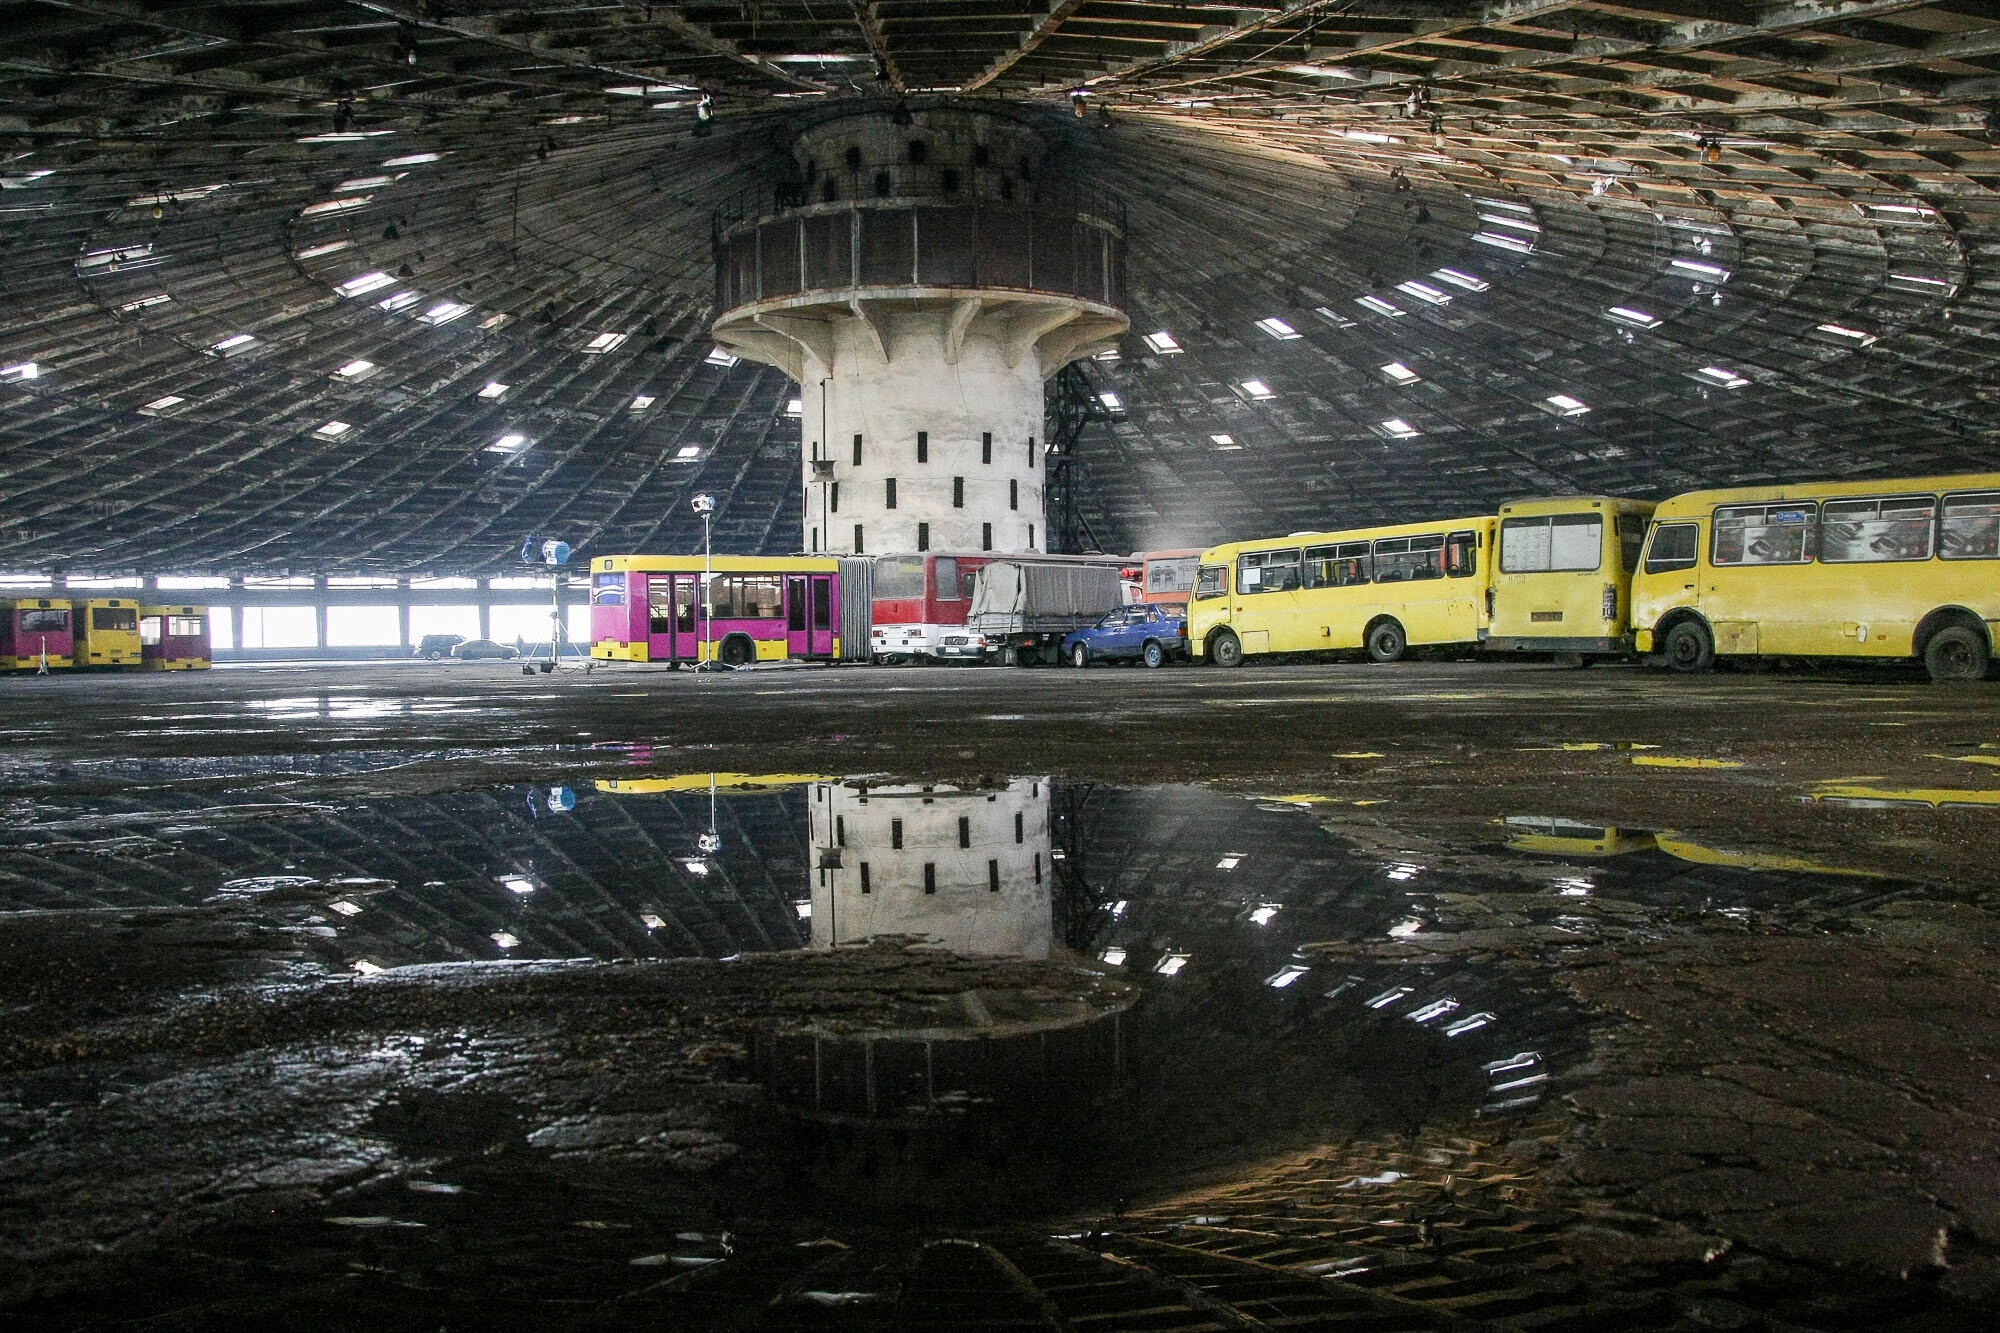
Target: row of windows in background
(1906,527)
(378,627)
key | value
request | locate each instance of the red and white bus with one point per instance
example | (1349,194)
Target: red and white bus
(921,603)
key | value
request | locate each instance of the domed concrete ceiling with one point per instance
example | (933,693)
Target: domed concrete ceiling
(382,287)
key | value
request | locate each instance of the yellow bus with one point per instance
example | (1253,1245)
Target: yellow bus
(1382,589)
(107,632)
(1562,582)
(1896,569)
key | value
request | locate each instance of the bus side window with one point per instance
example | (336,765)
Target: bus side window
(1211,581)
(1461,558)
(1674,547)
(1766,534)
(1970,527)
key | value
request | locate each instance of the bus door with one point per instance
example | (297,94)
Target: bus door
(798,601)
(822,615)
(671,608)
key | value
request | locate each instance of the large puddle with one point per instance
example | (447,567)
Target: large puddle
(697,1045)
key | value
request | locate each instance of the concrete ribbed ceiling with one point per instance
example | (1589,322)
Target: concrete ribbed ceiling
(1838,160)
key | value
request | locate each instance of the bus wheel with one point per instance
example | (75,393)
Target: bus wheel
(1688,647)
(735,652)
(1226,650)
(1079,656)
(1154,655)
(1956,653)
(1386,642)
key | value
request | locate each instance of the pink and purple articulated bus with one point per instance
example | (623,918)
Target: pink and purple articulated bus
(650,608)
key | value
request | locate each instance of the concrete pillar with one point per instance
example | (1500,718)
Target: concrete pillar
(319,610)
(403,613)
(485,594)
(920,283)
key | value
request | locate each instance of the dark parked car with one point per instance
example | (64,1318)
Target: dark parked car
(473,649)
(437,647)
(1146,632)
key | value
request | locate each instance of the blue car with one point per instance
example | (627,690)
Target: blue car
(1146,632)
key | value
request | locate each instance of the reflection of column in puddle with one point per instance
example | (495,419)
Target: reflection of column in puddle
(966,869)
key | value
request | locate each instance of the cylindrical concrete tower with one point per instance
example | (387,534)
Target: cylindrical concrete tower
(970,870)
(920,280)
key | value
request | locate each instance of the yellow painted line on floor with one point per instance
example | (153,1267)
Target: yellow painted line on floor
(1299,800)
(1674,761)
(1939,797)
(1359,754)
(1992,759)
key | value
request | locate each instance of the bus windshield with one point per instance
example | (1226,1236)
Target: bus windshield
(899,577)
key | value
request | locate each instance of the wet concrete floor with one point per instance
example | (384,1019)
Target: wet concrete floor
(1444,995)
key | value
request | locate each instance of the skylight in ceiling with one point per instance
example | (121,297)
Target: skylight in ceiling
(1400,373)
(720,356)
(795,407)
(1700,271)
(1256,389)
(493,389)
(1286,975)
(1635,318)
(1162,342)
(364,284)
(1171,964)
(1565,406)
(119,258)
(355,371)
(26,178)
(1112,402)
(412,160)
(233,345)
(1313,71)
(642,401)
(333,430)
(20,371)
(1369,136)
(181,196)
(402,300)
(1508,220)
(510,443)
(1720,375)
(145,302)
(1856,337)
(1459,278)
(1423,291)
(603,342)
(1398,429)
(164,403)
(1224,441)
(360,183)
(342,205)
(1914,282)
(330,247)
(1277,328)
(346,136)
(444,312)
(687,453)
(1380,306)
(1333,317)
(1108,354)
(1502,241)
